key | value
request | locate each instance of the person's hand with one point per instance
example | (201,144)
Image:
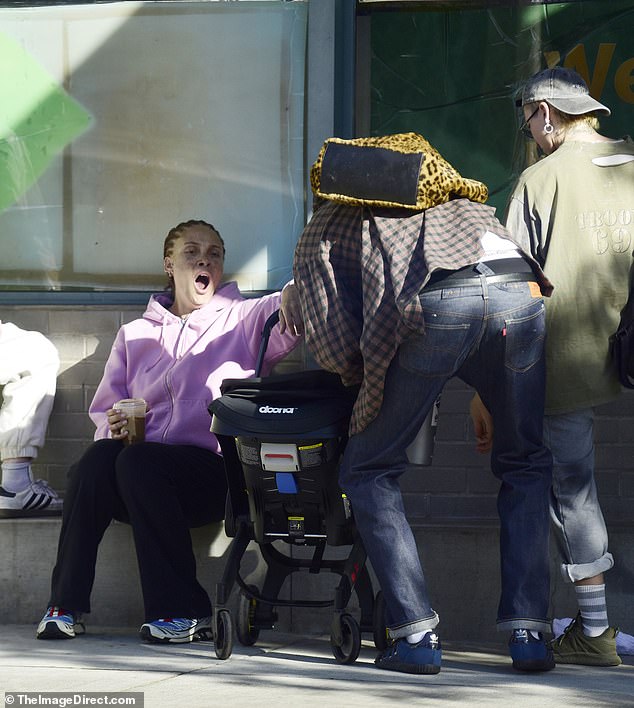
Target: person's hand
(482,424)
(291,311)
(117,422)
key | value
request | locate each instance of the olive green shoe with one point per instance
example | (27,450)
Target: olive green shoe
(574,647)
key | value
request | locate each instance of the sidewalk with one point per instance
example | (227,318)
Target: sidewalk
(291,670)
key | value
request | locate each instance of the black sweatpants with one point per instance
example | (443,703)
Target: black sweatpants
(161,491)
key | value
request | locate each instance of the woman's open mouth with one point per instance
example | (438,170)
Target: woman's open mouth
(202,282)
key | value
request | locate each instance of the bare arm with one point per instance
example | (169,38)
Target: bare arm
(290,310)
(482,424)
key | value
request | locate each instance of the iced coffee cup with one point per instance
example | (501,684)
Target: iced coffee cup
(134,410)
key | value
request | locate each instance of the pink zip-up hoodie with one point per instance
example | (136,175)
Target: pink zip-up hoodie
(177,365)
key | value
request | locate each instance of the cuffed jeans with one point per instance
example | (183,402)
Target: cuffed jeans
(492,337)
(579,526)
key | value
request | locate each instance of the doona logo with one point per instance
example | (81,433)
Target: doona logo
(273,409)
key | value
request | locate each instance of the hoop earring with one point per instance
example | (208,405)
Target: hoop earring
(548,127)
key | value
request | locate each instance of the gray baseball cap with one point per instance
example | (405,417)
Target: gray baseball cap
(564,89)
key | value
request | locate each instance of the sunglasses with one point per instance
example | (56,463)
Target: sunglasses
(525,128)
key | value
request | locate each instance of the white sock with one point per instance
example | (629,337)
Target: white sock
(593,608)
(16,476)
(416,637)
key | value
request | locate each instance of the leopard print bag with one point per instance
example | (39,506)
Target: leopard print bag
(400,170)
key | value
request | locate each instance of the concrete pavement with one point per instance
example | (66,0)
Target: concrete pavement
(291,669)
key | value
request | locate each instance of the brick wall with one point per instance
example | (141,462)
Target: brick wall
(457,488)
(459,485)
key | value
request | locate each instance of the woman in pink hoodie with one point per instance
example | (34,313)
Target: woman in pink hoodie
(192,336)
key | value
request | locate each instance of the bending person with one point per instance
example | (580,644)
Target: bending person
(401,302)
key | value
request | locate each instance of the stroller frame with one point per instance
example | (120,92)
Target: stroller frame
(271,493)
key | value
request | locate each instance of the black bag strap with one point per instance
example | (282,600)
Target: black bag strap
(622,341)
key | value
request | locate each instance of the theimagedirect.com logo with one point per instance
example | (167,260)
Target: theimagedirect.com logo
(65,699)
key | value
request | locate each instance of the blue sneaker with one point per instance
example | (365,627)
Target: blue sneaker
(422,658)
(178,630)
(530,654)
(58,623)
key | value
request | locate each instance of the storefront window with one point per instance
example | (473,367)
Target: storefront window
(119,120)
(450,71)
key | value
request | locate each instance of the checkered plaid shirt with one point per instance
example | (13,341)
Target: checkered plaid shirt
(359,271)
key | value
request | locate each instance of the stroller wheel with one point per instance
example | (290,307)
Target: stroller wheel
(247,633)
(379,629)
(347,650)
(223,640)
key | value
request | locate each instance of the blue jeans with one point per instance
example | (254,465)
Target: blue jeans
(492,337)
(578,521)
